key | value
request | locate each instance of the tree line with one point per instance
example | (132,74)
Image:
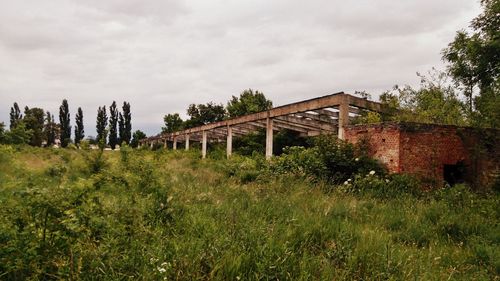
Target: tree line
(36,127)
(248,102)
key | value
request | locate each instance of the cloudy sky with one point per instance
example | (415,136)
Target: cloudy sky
(163,55)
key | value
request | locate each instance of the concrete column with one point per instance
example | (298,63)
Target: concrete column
(151,144)
(269,138)
(229,143)
(165,145)
(174,143)
(204,145)
(187,142)
(343,118)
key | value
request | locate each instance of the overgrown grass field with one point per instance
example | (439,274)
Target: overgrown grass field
(168,215)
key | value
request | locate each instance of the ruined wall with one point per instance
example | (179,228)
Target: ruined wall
(383,142)
(427,150)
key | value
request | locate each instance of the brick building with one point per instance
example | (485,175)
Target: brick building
(435,153)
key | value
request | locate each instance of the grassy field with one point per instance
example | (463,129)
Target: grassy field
(158,215)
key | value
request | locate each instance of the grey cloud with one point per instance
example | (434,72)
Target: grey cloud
(163,55)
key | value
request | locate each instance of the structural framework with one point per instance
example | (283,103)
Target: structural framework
(323,115)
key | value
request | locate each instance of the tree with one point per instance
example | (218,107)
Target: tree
(113,121)
(50,129)
(102,122)
(34,121)
(18,135)
(15,116)
(204,113)
(137,136)
(64,121)
(124,124)
(434,102)
(474,63)
(248,102)
(2,132)
(79,130)
(173,123)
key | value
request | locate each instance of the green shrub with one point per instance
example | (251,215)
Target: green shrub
(330,159)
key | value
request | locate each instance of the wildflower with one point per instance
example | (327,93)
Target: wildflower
(346,183)
(372,173)
(387,180)
(349,180)
(161,270)
(356,159)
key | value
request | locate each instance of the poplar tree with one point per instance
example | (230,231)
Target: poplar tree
(79,132)
(15,116)
(113,121)
(50,129)
(125,124)
(102,122)
(64,120)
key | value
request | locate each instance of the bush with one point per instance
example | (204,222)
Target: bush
(330,159)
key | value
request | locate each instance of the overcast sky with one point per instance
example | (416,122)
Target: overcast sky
(162,55)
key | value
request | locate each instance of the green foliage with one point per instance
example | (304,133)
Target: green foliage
(137,136)
(173,123)
(113,122)
(204,113)
(330,159)
(102,122)
(18,135)
(34,121)
(125,124)
(474,62)
(50,129)
(64,121)
(15,115)
(79,129)
(166,215)
(434,102)
(248,102)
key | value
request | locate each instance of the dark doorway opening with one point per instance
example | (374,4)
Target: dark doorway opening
(454,174)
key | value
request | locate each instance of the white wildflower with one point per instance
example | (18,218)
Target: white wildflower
(372,173)
(161,270)
(346,183)
(349,180)
(357,159)
(387,180)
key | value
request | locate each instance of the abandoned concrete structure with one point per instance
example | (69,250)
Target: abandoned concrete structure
(324,115)
(437,153)
(434,152)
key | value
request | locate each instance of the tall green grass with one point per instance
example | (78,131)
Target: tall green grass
(158,215)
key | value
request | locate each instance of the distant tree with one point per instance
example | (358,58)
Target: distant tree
(248,102)
(113,121)
(79,130)
(18,135)
(204,113)
(124,124)
(15,115)
(64,121)
(433,102)
(137,136)
(102,122)
(34,121)
(474,63)
(173,123)
(50,129)
(2,132)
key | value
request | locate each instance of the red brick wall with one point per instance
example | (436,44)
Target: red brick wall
(383,141)
(424,149)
